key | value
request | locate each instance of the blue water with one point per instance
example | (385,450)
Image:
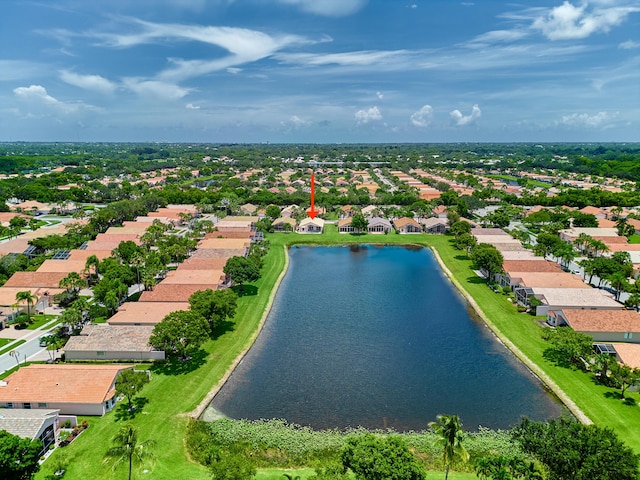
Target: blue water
(378,337)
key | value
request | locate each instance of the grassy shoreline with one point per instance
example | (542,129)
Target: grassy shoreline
(177,391)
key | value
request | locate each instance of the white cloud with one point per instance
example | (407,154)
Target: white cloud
(423,117)
(191,106)
(380,95)
(328,8)
(629,45)
(568,21)
(362,57)
(233,70)
(368,115)
(155,89)
(36,97)
(499,36)
(295,122)
(88,82)
(600,119)
(460,120)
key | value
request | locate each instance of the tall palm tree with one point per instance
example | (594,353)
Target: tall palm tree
(450,434)
(127,449)
(28,297)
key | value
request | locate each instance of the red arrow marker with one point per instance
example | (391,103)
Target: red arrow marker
(312,211)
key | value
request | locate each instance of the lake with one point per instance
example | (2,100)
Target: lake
(378,337)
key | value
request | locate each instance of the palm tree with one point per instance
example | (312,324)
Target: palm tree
(127,449)
(450,434)
(28,297)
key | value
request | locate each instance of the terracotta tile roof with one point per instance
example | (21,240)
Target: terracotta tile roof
(109,338)
(628,353)
(35,279)
(145,313)
(117,237)
(203,263)
(170,293)
(194,277)
(523,254)
(621,247)
(530,266)
(245,234)
(17,245)
(603,320)
(402,222)
(8,294)
(60,383)
(548,279)
(225,253)
(102,246)
(495,239)
(64,266)
(234,243)
(604,223)
(84,254)
(612,240)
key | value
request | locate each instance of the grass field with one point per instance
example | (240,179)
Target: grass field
(5,341)
(176,390)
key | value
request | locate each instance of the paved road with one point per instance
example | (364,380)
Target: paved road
(30,350)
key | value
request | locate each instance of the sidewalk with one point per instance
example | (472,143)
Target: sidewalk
(26,335)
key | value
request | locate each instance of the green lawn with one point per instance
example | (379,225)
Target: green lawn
(634,238)
(39,320)
(178,389)
(5,341)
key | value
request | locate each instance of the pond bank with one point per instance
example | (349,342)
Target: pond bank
(533,367)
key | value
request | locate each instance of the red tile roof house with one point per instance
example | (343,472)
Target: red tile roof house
(147,313)
(72,389)
(344,226)
(406,225)
(603,325)
(112,342)
(170,293)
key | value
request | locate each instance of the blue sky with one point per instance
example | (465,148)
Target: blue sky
(319,70)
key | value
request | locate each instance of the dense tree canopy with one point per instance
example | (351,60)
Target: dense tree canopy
(18,457)
(573,451)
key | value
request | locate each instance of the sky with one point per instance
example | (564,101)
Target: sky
(319,71)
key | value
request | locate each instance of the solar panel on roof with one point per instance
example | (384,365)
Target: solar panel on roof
(605,348)
(30,250)
(83,246)
(62,255)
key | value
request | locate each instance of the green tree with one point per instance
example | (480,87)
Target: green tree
(273,212)
(488,259)
(459,228)
(73,283)
(27,297)
(448,429)
(180,333)
(359,223)
(386,458)
(231,466)
(241,270)
(129,382)
(127,449)
(215,306)
(507,468)
(568,347)
(19,457)
(624,376)
(573,451)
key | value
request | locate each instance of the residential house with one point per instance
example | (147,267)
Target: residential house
(378,225)
(32,423)
(71,389)
(553,299)
(113,342)
(284,224)
(406,225)
(435,225)
(313,226)
(145,313)
(603,325)
(344,226)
